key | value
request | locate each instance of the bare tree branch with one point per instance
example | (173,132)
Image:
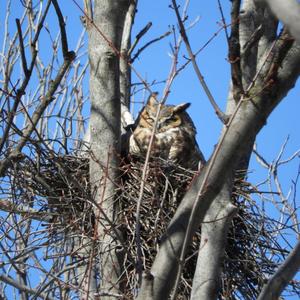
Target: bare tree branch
(139,36)
(273,289)
(6,205)
(20,287)
(20,92)
(136,55)
(64,40)
(22,49)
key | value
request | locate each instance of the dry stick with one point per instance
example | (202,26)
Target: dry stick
(172,75)
(147,45)
(274,171)
(255,36)
(223,21)
(174,71)
(24,210)
(203,47)
(208,170)
(274,287)
(145,169)
(218,111)
(141,193)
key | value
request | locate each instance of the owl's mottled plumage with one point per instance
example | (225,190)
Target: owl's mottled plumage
(174,138)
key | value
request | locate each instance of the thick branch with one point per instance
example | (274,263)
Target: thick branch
(206,282)
(125,70)
(22,49)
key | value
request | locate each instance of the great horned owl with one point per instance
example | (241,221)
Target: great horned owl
(174,138)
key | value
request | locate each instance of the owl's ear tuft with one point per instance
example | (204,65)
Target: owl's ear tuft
(152,100)
(181,107)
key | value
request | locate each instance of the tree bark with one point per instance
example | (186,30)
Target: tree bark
(104,48)
(214,230)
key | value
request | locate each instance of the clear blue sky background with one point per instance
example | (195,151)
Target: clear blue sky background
(154,64)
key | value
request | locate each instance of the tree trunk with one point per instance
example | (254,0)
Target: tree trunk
(104,47)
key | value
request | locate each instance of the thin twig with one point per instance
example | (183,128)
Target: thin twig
(138,37)
(8,206)
(174,71)
(136,55)
(223,21)
(62,24)
(22,49)
(22,287)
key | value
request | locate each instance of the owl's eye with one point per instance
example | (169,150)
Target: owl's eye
(173,119)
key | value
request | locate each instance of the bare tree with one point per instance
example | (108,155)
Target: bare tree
(75,206)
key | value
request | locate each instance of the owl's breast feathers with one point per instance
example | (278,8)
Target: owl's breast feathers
(175,145)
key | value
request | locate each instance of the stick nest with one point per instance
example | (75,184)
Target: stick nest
(59,186)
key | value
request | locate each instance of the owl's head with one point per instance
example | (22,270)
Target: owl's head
(170,116)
